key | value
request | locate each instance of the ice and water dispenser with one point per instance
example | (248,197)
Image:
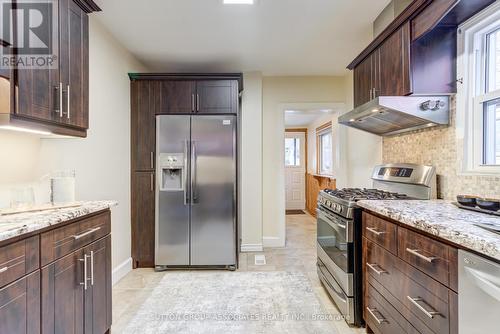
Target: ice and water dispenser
(172,171)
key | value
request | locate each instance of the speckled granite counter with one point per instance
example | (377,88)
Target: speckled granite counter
(442,219)
(22,223)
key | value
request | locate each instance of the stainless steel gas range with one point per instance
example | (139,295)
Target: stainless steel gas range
(339,229)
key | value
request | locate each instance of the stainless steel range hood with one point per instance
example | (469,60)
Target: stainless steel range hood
(390,115)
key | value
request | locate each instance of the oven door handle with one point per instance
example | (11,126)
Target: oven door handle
(340,295)
(330,220)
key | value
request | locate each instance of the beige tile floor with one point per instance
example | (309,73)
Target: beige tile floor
(298,255)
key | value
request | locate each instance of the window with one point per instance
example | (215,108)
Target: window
(292,152)
(478,99)
(324,140)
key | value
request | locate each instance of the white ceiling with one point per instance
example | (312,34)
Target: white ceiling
(276,37)
(304,118)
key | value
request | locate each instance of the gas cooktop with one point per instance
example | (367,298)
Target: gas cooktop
(356,194)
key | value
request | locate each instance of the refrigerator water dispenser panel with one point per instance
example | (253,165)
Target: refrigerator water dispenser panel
(172,171)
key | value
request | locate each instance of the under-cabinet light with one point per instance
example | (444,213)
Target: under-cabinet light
(19,129)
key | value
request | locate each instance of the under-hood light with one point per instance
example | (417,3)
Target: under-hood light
(19,129)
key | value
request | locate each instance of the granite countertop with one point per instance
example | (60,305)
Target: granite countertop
(14,225)
(443,219)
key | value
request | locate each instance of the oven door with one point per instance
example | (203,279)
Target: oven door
(336,247)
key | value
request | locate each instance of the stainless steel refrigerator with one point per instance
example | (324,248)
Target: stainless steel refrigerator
(195,191)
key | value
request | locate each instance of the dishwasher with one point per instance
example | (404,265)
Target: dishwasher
(478,294)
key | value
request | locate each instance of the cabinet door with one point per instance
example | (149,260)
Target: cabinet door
(98,294)
(363,81)
(394,64)
(63,295)
(74,64)
(20,306)
(6,92)
(177,97)
(38,90)
(217,97)
(143,99)
(143,219)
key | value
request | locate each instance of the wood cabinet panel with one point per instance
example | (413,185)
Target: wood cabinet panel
(428,255)
(217,97)
(143,219)
(381,232)
(177,97)
(98,294)
(430,17)
(73,70)
(315,184)
(63,295)
(144,103)
(18,259)
(393,75)
(64,240)
(20,306)
(364,81)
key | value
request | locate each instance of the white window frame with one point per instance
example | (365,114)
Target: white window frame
(325,131)
(470,93)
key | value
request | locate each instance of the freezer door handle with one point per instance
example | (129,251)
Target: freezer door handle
(186,184)
(194,172)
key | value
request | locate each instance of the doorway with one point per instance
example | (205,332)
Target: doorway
(295,169)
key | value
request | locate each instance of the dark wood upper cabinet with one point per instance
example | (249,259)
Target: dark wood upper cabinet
(63,295)
(177,97)
(143,219)
(20,306)
(144,103)
(73,70)
(364,80)
(98,294)
(217,97)
(57,99)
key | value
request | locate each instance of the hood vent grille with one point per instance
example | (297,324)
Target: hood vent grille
(389,115)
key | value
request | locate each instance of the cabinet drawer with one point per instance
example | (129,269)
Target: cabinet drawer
(381,232)
(428,255)
(18,259)
(382,317)
(64,240)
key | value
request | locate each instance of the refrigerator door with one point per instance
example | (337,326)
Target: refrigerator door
(213,190)
(172,191)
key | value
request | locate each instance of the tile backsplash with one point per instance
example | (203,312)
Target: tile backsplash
(439,147)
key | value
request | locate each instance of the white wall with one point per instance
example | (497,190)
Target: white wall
(102,160)
(251,163)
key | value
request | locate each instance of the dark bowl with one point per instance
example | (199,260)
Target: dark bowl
(488,204)
(467,200)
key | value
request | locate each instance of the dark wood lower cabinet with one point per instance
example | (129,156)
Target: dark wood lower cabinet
(20,306)
(143,219)
(76,291)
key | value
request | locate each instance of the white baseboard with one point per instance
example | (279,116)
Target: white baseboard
(273,242)
(121,270)
(251,248)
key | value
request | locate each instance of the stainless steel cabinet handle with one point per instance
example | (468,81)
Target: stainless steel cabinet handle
(192,102)
(377,319)
(152,182)
(84,283)
(91,267)
(4,269)
(416,252)
(374,231)
(69,102)
(373,266)
(84,234)
(415,301)
(374,92)
(151,160)
(60,100)
(371,94)
(197,102)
